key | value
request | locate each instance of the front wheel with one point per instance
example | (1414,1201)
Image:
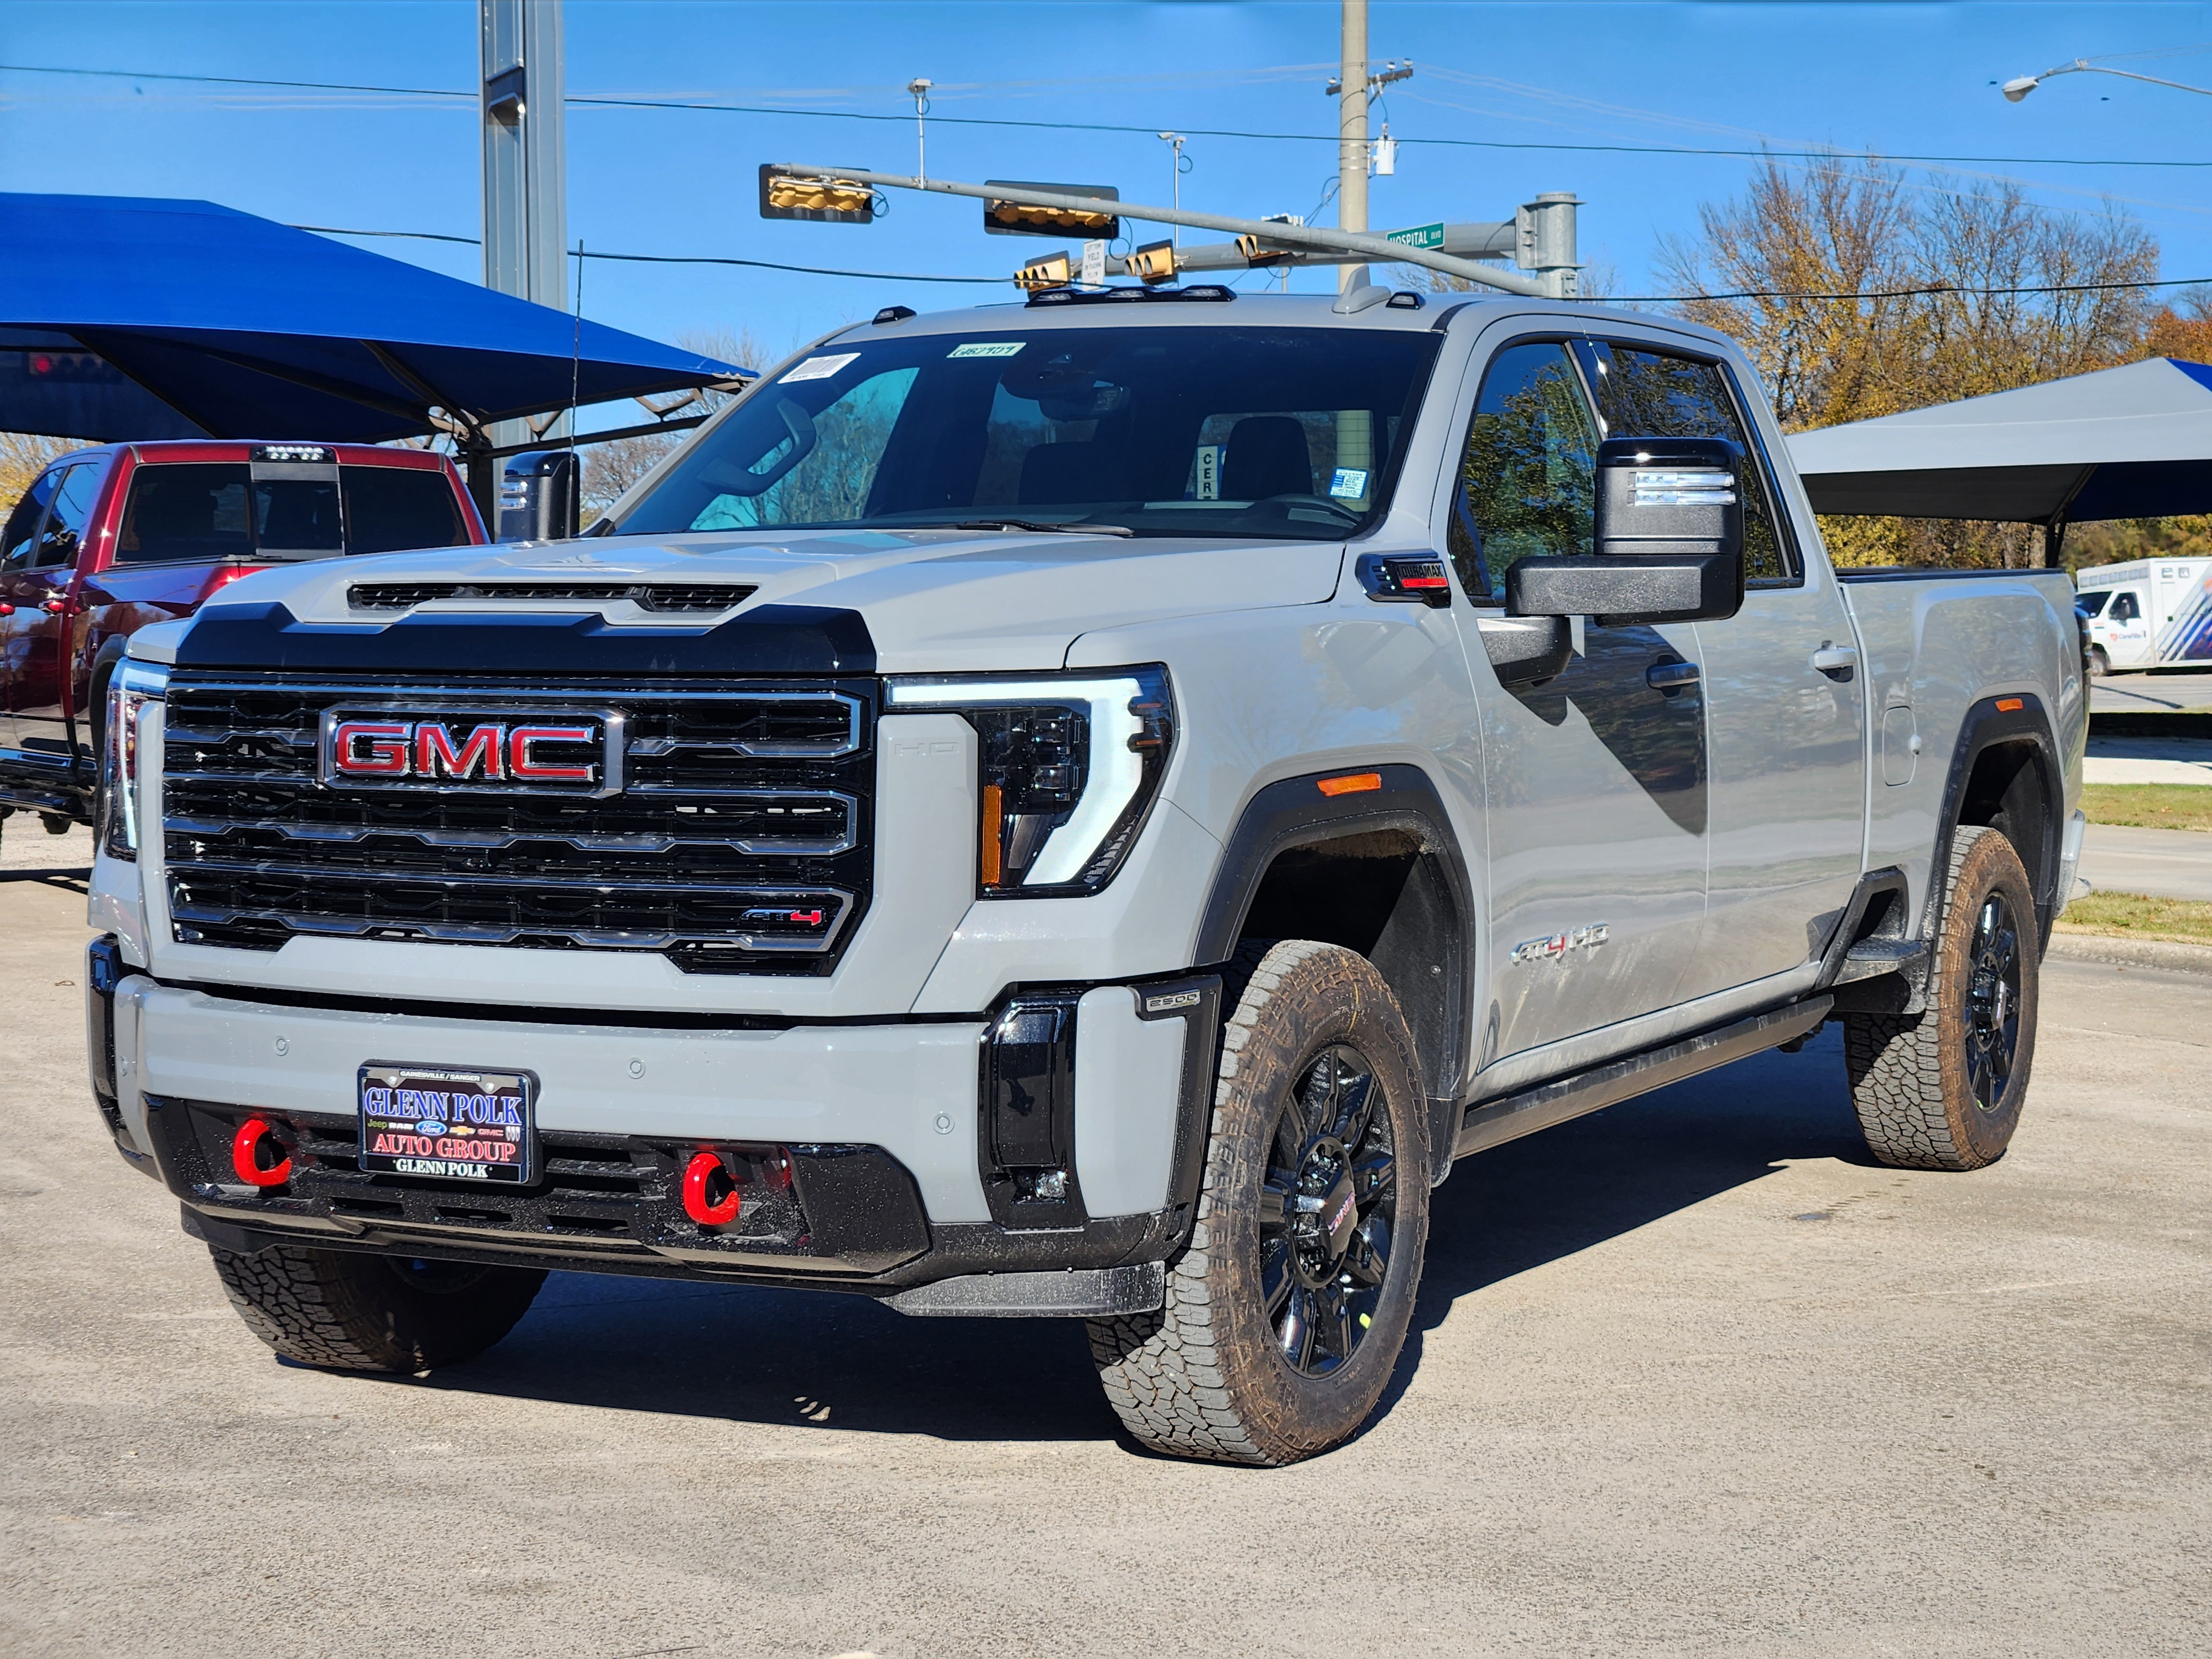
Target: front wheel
(1943,1090)
(2100,665)
(352,1311)
(1286,1314)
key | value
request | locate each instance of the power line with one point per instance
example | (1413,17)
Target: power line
(707,107)
(672,259)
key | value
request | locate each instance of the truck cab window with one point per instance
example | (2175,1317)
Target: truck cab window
(1527,474)
(21,539)
(1643,393)
(194,510)
(65,521)
(2124,609)
(2090,604)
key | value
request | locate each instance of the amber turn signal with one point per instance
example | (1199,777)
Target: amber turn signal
(1351,783)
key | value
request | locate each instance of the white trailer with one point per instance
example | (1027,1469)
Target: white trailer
(2147,613)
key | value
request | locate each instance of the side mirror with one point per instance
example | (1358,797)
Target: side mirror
(537,494)
(1669,539)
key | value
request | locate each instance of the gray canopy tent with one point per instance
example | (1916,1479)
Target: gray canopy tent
(2134,442)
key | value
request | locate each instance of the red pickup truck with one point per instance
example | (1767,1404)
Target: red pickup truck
(110,539)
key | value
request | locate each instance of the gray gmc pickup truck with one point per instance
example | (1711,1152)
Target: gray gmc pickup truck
(1082,808)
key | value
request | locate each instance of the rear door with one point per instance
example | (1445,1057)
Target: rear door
(35,579)
(1595,781)
(1784,702)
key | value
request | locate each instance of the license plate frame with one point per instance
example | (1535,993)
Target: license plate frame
(472,1126)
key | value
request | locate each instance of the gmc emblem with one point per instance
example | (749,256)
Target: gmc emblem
(569,752)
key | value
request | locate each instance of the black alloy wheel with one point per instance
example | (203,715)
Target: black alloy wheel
(1328,1211)
(1993,1000)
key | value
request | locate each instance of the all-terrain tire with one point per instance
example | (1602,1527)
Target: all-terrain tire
(1213,1374)
(1913,1076)
(356,1312)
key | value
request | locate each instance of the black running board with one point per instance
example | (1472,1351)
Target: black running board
(1494,1122)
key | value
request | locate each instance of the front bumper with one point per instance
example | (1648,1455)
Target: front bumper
(886,1126)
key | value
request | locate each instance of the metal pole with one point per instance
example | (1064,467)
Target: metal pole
(1351,137)
(1319,238)
(525,190)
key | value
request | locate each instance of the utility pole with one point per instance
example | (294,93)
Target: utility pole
(1351,137)
(525,184)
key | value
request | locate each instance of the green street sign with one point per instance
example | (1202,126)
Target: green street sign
(1427,236)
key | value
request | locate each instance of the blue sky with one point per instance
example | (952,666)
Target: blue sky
(1900,78)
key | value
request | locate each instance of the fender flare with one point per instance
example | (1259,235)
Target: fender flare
(1987,726)
(1293,812)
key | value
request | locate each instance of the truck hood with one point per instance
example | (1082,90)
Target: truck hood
(958,601)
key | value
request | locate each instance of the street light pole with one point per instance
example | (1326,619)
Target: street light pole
(2019,87)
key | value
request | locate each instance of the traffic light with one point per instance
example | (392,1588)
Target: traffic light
(1012,219)
(827,199)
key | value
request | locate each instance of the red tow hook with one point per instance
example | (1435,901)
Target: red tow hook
(710,1197)
(246,1147)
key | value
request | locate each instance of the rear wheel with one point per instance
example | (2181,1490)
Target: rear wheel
(1286,1314)
(1943,1090)
(2100,664)
(353,1311)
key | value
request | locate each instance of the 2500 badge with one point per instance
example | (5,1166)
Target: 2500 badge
(448,1125)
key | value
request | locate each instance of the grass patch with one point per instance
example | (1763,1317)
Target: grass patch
(2136,915)
(2149,805)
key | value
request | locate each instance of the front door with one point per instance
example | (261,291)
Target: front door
(2126,629)
(19,548)
(1785,708)
(1595,781)
(37,633)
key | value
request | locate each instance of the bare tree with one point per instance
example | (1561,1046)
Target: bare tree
(610,469)
(23,455)
(1858,295)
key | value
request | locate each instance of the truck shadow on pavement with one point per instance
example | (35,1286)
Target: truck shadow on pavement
(750,1355)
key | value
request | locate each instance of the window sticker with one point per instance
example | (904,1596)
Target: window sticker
(1208,472)
(819,368)
(986,348)
(1349,482)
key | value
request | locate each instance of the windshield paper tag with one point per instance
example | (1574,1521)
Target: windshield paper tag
(1209,472)
(1350,483)
(819,368)
(986,348)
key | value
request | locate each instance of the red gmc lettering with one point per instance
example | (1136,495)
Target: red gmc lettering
(519,765)
(434,755)
(371,747)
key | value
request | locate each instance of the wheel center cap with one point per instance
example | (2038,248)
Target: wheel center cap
(1340,1215)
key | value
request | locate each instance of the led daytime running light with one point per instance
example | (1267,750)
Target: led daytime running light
(135,685)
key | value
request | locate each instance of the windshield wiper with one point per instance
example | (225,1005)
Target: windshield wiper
(1036,525)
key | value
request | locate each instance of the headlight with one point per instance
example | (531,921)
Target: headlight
(1070,765)
(135,685)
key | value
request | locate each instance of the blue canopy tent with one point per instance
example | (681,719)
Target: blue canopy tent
(2134,442)
(126,316)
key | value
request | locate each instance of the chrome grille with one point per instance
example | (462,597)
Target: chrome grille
(739,842)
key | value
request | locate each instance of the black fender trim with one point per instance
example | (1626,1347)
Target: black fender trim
(1294,812)
(1986,726)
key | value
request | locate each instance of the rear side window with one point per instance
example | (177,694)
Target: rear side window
(66,519)
(21,539)
(206,510)
(389,510)
(1650,394)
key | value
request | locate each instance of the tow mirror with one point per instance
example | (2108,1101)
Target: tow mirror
(1669,539)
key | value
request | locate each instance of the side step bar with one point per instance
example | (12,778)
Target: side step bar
(1494,1122)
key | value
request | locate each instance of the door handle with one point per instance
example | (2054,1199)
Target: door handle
(1669,677)
(1836,660)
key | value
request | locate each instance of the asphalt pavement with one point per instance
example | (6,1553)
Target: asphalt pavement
(2150,694)
(1689,1376)
(2169,863)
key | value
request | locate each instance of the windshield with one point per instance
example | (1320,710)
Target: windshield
(1284,431)
(2090,604)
